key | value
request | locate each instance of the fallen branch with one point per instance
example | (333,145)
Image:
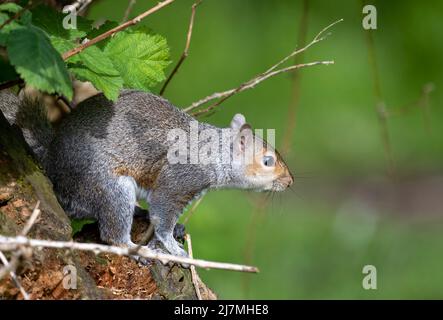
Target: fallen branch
(223,96)
(121,27)
(14,243)
(186,50)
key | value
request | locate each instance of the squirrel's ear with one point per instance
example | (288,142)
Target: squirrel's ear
(244,137)
(238,121)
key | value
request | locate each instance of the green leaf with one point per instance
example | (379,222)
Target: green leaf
(94,66)
(7,11)
(37,62)
(51,22)
(10,7)
(61,45)
(139,57)
(78,224)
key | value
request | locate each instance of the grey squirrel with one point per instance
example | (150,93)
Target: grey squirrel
(104,156)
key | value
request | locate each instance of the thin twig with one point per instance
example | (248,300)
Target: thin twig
(12,265)
(194,276)
(32,219)
(295,92)
(251,84)
(186,50)
(263,76)
(193,208)
(380,106)
(14,277)
(128,10)
(121,27)
(13,243)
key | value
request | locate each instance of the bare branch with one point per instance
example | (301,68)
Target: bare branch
(263,76)
(186,50)
(380,106)
(194,275)
(14,243)
(128,10)
(121,27)
(246,86)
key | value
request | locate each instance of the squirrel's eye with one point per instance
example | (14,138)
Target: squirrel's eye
(268,161)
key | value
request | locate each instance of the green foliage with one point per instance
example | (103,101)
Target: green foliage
(94,66)
(51,22)
(78,224)
(7,10)
(36,41)
(139,57)
(46,70)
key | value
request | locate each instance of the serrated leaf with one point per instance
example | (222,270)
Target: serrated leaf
(94,66)
(51,22)
(139,57)
(61,45)
(37,62)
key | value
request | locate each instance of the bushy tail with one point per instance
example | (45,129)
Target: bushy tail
(30,115)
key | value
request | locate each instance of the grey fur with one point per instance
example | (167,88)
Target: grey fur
(104,156)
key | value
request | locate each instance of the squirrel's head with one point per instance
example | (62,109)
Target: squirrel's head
(257,164)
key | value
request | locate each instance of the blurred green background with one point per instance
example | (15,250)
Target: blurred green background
(347,211)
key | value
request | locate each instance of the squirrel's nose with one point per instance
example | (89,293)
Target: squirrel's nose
(287,180)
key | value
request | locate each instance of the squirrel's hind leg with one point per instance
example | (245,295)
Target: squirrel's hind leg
(115,214)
